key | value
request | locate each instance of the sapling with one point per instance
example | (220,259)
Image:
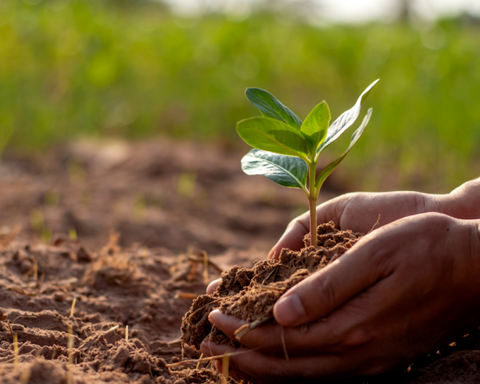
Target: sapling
(287,150)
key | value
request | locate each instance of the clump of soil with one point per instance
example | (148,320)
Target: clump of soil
(251,293)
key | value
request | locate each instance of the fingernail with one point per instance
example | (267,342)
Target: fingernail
(206,348)
(289,310)
(271,254)
(214,315)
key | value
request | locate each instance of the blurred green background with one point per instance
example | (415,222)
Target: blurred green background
(133,69)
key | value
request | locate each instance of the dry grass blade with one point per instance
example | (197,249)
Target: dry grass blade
(376,223)
(199,361)
(67,282)
(186,295)
(269,287)
(273,273)
(15,350)
(111,329)
(202,307)
(205,267)
(126,333)
(208,358)
(240,332)
(35,269)
(19,290)
(192,273)
(72,309)
(70,353)
(226,367)
(202,260)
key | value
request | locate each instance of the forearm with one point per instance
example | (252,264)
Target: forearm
(463,202)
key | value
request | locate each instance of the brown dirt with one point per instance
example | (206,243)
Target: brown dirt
(167,202)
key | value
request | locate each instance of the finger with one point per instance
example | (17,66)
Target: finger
(249,364)
(333,335)
(325,290)
(267,337)
(213,286)
(293,236)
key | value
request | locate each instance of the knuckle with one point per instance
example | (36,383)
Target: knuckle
(420,203)
(299,222)
(356,337)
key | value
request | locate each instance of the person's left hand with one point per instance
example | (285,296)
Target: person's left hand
(404,290)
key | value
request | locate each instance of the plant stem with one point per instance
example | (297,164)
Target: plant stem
(312,203)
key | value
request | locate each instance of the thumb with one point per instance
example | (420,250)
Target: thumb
(327,289)
(293,236)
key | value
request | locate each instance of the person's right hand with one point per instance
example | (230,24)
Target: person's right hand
(359,212)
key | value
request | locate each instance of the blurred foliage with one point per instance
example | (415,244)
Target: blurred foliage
(72,68)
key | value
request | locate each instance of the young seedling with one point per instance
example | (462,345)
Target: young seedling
(286,150)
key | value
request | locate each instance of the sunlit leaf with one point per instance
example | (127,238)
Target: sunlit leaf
(273,136)
(345,120)
(271,107)
(284,170)
(315,125)
(330,167)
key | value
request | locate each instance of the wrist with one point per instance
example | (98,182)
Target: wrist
(463,202)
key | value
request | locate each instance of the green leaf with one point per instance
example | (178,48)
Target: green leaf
(271,107)
(330,167)
(345,120)
(315,125)
(273,136)
(284,170)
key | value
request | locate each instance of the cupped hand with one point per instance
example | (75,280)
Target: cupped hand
(359,212)
(403,290)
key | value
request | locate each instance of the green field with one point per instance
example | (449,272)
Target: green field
(93,68)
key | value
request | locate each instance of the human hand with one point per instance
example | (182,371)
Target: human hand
(359,212)
(400,292)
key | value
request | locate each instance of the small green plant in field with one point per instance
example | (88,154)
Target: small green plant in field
(286,150)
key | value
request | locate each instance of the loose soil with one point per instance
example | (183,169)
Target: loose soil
(125,232)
